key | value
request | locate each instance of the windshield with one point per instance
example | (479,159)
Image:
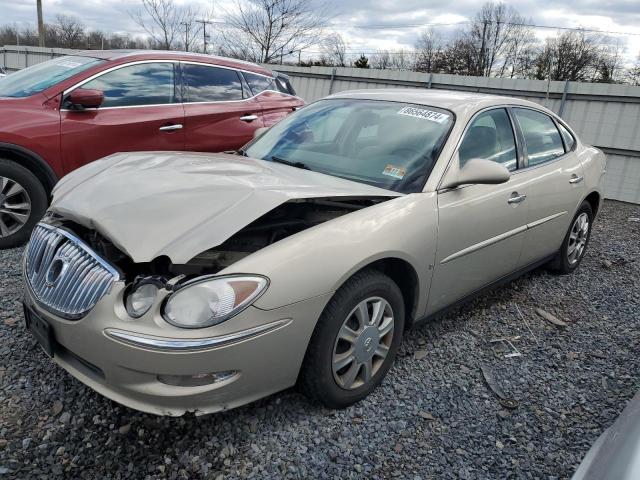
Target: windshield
(39,77)
(390,145)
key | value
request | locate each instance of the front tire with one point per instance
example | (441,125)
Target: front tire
(355,341)
(575,241)
(23,201)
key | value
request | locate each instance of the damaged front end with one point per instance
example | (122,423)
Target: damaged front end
(144,280)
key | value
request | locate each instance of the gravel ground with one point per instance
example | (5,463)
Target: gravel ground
(435,415)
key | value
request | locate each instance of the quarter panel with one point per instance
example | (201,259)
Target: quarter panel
(319,260)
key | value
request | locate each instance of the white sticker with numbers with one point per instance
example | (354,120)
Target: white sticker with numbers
(425,114)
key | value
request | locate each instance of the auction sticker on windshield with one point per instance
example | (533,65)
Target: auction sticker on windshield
(395,172)
(424,114)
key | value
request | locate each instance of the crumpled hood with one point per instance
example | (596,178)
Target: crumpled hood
(180,204)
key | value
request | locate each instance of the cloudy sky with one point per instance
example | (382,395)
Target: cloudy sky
(609,15)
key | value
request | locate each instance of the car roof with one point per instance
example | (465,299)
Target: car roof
(456,101)
(114,55)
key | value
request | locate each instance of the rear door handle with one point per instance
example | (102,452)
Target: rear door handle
(248,118)
(516,198)
(171,128)
(575,179)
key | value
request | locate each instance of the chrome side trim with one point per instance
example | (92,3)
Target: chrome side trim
(502,236)
(188,344)
(484,243)
(545,220)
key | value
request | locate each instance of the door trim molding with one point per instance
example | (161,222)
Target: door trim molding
(485,243)
(498,238)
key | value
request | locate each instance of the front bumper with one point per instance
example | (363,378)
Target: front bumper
(122,358)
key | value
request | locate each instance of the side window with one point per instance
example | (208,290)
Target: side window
(259,83)
(569,141)
(211,84)
(490,137)
(540,136)
(141,84)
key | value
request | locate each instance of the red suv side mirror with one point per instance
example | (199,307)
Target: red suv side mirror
(82,98)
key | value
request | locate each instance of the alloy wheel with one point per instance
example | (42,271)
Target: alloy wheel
(363,343)
(578,238)
(15,206)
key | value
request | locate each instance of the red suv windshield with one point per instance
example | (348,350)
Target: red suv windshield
(39,77)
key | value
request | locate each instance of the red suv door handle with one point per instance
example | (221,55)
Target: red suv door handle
(248,118)
(171,128)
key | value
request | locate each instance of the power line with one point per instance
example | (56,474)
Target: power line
(424,25)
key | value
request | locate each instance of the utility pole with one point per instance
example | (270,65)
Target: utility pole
(186,35)
(484,34)
(40,24)
(204,33)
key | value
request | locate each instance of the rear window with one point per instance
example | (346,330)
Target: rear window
(284,85)
(541,136)
(211,84)
(37,78)
(569,141)
(259,83)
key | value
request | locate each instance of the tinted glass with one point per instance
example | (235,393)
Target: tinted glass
(342,137)
(569,141)
(259,83)
(490,137)
(142,84)
(540,136)
(39,77)
(211,84)
(284,85)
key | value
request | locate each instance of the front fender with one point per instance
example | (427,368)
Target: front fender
(319,260)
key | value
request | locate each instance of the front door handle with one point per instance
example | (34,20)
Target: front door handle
(516,198)
(575,179)
(171,128)
(248,118)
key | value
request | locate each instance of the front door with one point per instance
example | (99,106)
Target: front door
(141,111)
(480,227)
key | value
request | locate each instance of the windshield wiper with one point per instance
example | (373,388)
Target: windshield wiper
(242,152)
(291,164)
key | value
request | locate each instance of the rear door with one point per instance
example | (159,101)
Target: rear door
(554,174)
(480,227)
(141,111)
(220,113)
(275,98)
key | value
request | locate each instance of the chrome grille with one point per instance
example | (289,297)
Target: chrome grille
(64,274)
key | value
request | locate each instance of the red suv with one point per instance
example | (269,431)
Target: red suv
(59,115)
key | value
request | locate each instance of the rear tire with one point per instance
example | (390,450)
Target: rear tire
(23,202)
(355,341)
(575,241)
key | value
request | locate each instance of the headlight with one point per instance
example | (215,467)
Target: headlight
(141,298)
(211,300)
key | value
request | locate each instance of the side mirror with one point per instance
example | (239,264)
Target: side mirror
(82,98)
(478,171)
(259,132)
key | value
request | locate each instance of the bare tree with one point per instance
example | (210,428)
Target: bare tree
(170,25)
(265,30)
(572,55)
(70,31)
(334,48)
(381,60)
(608,68)
(633,74)
(428,48)
(492,34)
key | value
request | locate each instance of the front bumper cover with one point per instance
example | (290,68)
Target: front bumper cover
(121,358)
